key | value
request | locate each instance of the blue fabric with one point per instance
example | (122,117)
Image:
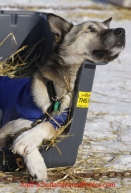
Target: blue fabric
(16,101)
(60,119)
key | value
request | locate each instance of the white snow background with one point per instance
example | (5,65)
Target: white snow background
(108,126)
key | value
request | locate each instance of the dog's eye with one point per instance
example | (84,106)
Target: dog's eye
(92,29)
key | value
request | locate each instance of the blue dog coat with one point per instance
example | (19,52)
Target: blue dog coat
(16,102)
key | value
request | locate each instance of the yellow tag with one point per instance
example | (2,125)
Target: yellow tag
(83,99)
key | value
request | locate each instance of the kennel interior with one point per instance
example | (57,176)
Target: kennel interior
(31,28)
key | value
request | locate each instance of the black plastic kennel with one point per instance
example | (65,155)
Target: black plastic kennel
(29,28)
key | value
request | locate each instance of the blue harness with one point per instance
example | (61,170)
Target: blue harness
(16,102)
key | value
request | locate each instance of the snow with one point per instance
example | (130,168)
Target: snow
(46,3)
(108,126)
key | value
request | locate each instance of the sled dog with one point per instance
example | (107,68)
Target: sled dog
(73,44)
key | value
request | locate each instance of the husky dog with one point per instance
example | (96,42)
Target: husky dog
(73,45)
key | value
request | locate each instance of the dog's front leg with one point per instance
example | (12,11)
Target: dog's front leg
(65,102)
(13,127)
(36,166)
(29,140)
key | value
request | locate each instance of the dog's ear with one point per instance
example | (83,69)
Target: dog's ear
(58,26)
(107,22)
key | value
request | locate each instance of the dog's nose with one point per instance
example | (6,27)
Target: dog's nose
(119,31)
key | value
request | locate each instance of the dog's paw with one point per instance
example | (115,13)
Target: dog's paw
(36,166)
(29,140)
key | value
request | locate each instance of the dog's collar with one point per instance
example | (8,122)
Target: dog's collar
(51,90)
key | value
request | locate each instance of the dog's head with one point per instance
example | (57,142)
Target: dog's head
(89,40)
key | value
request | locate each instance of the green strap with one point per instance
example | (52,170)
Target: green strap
(57,106)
